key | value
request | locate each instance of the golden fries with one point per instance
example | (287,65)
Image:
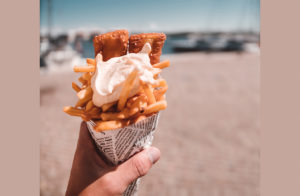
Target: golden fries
(73,111)
(156,72)
(112,116)
(109,125)
(126,89)
(158,93)
(91,61)
(87,92)
(89,105)
(83,81)
(95,111)
(84,69)
(106,106)
(87,76)
(160,105)
(130,101)
(162,64)
(149,99)
(160,83)
(75,87)
(149,92)
(139,118)
(126,110)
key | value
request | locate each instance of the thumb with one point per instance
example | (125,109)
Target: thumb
(138,165)
(116,181)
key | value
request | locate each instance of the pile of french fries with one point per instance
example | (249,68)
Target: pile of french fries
(127,110)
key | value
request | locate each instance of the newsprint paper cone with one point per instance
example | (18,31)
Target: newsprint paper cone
(120,144)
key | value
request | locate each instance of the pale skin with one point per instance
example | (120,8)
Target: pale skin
(91,175)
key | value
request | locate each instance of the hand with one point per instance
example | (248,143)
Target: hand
(90,175)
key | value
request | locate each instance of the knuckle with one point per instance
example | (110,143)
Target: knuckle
(112,185)
(141,166)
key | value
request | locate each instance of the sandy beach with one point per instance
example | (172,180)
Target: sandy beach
(208,136)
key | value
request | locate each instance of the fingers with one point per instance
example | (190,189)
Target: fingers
(116,181)
(137,166)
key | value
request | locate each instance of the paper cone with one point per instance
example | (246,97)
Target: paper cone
(119,145)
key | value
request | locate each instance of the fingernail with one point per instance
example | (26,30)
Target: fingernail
(153,154)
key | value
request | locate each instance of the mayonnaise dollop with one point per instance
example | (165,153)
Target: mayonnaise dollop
(109,77)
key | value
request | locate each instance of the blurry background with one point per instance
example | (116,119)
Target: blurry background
(209,134)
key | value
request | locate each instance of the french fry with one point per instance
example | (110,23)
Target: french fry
(138,105)
(84,96)
(83,81)
(155,72)
(95,110)
(85,117)
(87,92)
(87,76)
(89,105)
(93,113)
(91,61)
(106,106)
(130,101)
(162,64)
(82,102)
(161,98)
(138,118)
(160,105)
(105,116)
(84,68)
(160,83)
(75,87)
(158,93)
(149,93)
(126,89)
(109,125)
(73,111)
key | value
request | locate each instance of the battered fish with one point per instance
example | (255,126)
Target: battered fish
(136,43)
(112,44)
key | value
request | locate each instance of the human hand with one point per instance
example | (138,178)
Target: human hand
(90,175)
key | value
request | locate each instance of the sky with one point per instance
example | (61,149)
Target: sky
(152,15)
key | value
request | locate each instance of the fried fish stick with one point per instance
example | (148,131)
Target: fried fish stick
(156,40)
(112,44)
